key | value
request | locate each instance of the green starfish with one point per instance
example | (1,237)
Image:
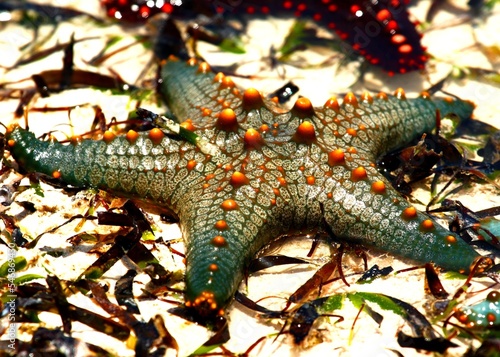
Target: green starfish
(255,172)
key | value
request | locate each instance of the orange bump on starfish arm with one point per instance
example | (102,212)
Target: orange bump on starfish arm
(400,93)
(132,136)
(382,96)
(336,157)
(108,136)
(229,205)
(451,239)
(358,174)
(282,181)
(425,95)
(305,132)
(191,164)
(227,82)
(227,120)
(156,135)
(405,49)
(221,225)
(219,241)
(427,225)
(333,104)
(219,77)
(366,97)
(252,99)
(204,67)
(206,112)
(302,107)
(252,138)
(409,213)
(238,179)
(378,187)
(383,15)
(213,267)
(350,98)
(352,132)
(188,125)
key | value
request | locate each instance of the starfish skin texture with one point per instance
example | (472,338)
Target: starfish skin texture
(259,172)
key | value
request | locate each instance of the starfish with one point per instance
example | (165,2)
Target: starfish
(254,172)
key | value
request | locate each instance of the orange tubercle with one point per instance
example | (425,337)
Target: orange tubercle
(188,125)
(310,180)
(76,139)
(302,107)
(156,135)
(405,49)
(358,174)
(56,174)
(409,213)
(191,164)
(400,93)
(425,95)
(204,68)
(382,96)
(350,98)
(227,82)
(213,267)
(108,136)
(398,39)
(352,132)
(227,120)
(305,133)
(221,225)
(282,181)
(219,241)
(463,318)
(219,77)
(205,298)
(336,157)
(252,99)
(252,138)
(132,136)
(451,239)
(366,97)
(229,205)
(333,104)
(384,15)
(238,179)
(378,187)
(427,225)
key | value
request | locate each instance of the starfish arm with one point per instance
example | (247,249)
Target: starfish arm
(194,94)
(134,165)
(379,124)
(376,124)
(368,211)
